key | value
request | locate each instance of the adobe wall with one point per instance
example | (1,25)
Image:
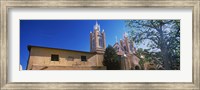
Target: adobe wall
(42,57)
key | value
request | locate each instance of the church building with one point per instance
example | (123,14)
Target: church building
(47,58)
(127,53)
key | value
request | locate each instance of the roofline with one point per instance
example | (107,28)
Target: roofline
(116,43)
(30,46)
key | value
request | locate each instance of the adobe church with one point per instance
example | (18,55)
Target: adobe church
(46,58)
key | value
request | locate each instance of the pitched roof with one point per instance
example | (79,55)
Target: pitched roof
(116,44)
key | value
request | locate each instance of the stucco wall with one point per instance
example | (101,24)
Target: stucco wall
(42,57)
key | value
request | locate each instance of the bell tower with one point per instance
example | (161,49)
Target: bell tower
(97,40)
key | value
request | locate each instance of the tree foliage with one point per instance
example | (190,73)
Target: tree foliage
(161,36)
(111,60)
(146,56)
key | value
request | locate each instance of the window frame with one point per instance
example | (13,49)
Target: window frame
(84,58)
(53,56)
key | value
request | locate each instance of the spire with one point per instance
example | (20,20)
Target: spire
(96,23)
(97,26)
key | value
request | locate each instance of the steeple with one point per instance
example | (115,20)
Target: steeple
(97,26)
(96,23)
(97,40)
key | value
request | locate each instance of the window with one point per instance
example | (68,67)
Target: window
(131,47)
(54,57)
(100,41)
(83,58)
(93,43)
(124,48)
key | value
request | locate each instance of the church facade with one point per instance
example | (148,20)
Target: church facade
(46,58)
(127,54)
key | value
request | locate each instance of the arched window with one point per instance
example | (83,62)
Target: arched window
(124,48)
(131,47)
(100,41)
(93,43)
(137,68)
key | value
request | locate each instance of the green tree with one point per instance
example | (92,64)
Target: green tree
(146,56)
(140,54)
(111,60)
(163,35)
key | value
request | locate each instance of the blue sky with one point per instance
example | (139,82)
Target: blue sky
(65,34)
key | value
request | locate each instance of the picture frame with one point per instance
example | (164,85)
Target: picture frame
(4,44)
